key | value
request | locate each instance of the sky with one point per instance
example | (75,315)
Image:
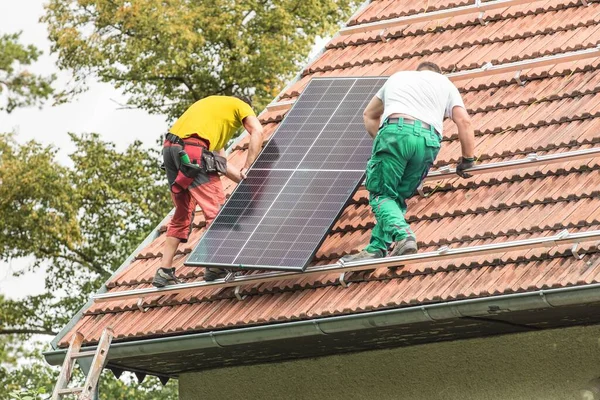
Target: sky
(96,110)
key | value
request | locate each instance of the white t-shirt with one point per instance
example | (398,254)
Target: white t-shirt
(424,95)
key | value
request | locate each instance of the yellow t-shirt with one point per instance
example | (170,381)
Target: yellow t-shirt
(214,118)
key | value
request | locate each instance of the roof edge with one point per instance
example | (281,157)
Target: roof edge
(477,307)
(151,236)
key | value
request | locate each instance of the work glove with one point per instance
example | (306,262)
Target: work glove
(465,163)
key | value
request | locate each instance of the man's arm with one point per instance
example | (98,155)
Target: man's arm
(372,115)
(255,130)
(466,136)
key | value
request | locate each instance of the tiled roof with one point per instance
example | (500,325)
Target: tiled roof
(555,110)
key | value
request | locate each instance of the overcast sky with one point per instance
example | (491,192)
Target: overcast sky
(96,110)
(93,111)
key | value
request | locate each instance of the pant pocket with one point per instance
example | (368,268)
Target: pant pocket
(432,140)
(374,179)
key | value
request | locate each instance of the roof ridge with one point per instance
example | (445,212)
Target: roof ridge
(498,16)
(484,42)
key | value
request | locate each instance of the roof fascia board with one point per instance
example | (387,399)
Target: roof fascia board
(443,253)
(478,7)
(151,236)
(484,306)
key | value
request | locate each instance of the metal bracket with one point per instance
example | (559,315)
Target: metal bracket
(426,312)
(481,20)
(420,190)
(230,276)
(487,66)
(444,169)
(533,156)
(382,35)
(343,280)
(561,235)
(585,3)
(518,78)
(139,305)
(341,262)
(575,252)
(443,249)
(237,293)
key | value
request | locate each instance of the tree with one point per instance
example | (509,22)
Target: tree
(80,222)
(35,376)
(168,54)
(18,86)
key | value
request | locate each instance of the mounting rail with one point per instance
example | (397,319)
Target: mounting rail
(490,69)
(478,7)
(443,253)
(531,160)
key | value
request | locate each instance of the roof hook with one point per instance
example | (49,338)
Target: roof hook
(575,252)
(139,305)
(343,280)
(238,295)
(518,78)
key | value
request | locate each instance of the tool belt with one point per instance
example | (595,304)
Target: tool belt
(203,162)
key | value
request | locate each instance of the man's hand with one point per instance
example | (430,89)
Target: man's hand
(244,173)
(465,163)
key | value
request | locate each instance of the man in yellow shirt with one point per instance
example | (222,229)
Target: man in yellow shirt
(202,131)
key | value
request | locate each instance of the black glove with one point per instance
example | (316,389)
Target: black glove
(465,163)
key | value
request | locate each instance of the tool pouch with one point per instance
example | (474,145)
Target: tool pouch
(186,175)
(212,163)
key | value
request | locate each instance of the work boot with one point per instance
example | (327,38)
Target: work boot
(214,273)
(363,255)
(406,246)
(164,277)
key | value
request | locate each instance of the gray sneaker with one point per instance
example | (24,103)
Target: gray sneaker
(406,246)
(214,273)
(363,255)
(164,277)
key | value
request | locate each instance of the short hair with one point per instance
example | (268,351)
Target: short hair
(243,98)
(429,66)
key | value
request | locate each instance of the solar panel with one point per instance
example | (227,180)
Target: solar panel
(298,186)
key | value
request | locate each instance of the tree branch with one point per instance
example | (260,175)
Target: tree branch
(27,332)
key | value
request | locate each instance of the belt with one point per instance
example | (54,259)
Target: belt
(169,137)
(408,121)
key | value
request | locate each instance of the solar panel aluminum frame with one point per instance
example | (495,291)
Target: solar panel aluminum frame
(360,177)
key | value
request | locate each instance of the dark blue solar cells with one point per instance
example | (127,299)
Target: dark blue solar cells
(300,183)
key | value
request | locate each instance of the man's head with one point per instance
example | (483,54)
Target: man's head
(245,99)
(429,66)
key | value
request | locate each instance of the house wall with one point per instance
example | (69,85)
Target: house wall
(553,364)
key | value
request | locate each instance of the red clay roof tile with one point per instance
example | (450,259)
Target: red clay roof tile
(553,111)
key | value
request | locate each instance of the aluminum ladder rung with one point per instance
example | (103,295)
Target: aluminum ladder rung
(87,391)
(63,392)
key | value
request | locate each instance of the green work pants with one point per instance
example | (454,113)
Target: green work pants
(402,156)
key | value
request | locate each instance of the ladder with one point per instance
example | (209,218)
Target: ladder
(87,391)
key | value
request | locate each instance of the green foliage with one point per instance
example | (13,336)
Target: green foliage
(34,378)
(168,54)
(80,222)
(18,86)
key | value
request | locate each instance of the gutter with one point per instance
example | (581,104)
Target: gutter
(477,307)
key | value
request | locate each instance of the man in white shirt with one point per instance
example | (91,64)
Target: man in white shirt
(406,120)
